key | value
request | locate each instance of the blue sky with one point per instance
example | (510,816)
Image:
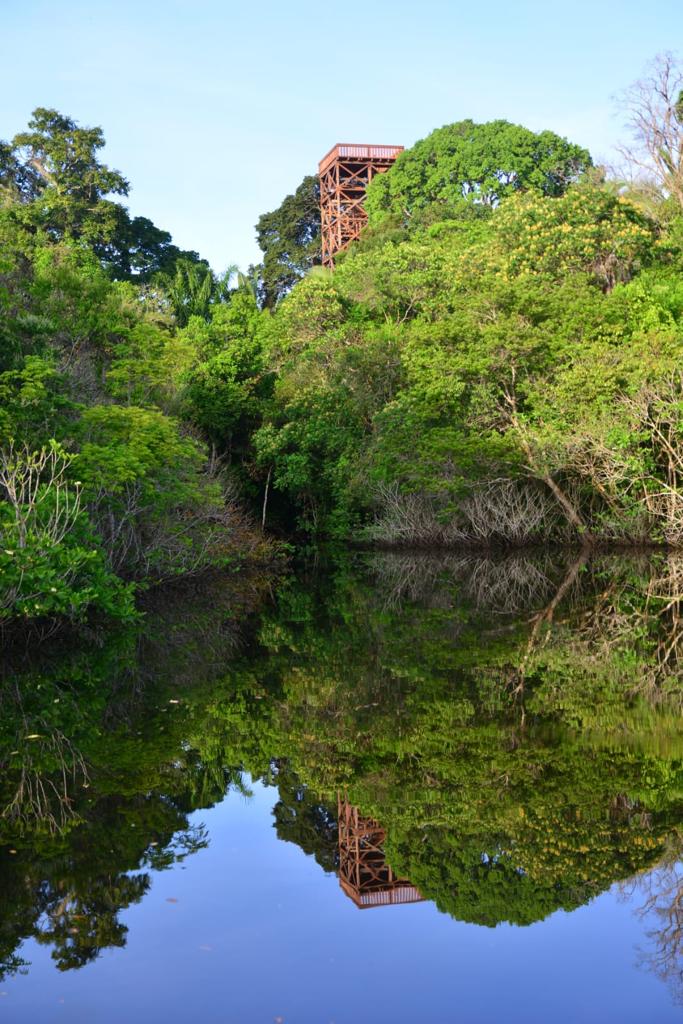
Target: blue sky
(215,110)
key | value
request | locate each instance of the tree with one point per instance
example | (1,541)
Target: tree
(654,111)
(190,290)
(17,180)
(290,240)
(193,288)
(138,249)
(73,183)
(96,482)
(53,170)
(474,163)
(226,392)
(586,231)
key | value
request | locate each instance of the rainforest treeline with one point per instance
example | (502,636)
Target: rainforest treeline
(496,362)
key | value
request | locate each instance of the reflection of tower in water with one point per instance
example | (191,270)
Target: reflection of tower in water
(364,874)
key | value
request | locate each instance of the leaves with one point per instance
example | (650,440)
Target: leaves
(475,163)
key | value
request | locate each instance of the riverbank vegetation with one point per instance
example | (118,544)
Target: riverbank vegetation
(496,362)
(103,487)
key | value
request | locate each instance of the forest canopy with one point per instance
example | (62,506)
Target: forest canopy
(496,362)
(103,486)
(475,163)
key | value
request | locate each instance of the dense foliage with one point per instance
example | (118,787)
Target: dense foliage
(495,362)
(500,377)
(476,164)
(101,483)
(290,240)
(522,756)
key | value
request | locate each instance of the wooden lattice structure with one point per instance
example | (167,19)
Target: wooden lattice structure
(364,874)
(345,173)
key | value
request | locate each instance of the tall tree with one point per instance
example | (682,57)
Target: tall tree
(654,111)
(73,182)
(475,163)
(290,240)
(137,249)
(54,172)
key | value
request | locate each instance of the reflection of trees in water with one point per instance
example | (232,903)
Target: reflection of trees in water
(414,706)
(593,606)
(69,893)
(79,925)
(42,797)
(539,623)
(665,600)
(658,894)
(507,586)
(637,610)
(192,630)
(519,583)
(302,818)
(97,778)
(441,710)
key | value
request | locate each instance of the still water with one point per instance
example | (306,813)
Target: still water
(399,789)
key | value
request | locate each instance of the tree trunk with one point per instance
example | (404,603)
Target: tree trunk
(265,499)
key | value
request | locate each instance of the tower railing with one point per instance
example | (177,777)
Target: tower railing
(353,151)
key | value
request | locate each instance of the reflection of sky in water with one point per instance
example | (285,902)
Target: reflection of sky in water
(260,932)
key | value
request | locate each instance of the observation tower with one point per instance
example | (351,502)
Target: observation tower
(345,173)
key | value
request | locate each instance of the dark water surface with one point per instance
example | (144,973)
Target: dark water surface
(395,790)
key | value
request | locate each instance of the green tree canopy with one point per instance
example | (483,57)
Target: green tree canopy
(55,173)
(73,181)
(478,163)
(290,239)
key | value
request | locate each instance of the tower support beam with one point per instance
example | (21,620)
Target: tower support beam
(345,173)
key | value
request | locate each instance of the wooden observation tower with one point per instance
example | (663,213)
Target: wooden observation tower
(364,874)
(345,173)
